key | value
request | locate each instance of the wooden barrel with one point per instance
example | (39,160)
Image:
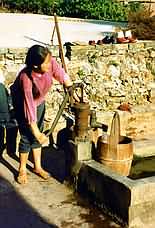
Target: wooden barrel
(121,161)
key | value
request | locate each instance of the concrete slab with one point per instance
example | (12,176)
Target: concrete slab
(144,147)
(132,202)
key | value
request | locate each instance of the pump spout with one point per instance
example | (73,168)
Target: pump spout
(95,124)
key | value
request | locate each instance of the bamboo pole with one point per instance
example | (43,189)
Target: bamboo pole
(66,98)
(60,43)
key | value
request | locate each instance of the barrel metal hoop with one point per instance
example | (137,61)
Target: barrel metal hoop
(122,160)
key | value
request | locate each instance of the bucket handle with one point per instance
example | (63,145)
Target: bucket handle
(114,137)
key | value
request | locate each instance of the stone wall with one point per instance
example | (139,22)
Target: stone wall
(111,73)
(114,73)
(12,59)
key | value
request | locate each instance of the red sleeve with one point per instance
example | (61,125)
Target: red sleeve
(29,103)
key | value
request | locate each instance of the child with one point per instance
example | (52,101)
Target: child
(6,121)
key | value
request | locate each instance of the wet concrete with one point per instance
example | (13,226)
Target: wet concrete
(41,203)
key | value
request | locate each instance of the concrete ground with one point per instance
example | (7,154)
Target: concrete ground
(44,203)
(24,30)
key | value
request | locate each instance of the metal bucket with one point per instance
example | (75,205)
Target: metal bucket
(121,160)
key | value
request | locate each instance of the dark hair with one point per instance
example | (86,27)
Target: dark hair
(35,57)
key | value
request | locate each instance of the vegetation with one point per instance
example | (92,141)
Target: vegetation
(142,24)
(99,9)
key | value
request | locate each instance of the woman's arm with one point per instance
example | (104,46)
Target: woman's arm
(68,82)
(60,75)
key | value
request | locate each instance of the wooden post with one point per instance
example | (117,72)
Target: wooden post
(60,43)
(66,98)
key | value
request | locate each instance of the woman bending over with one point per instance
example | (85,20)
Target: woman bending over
(28,92)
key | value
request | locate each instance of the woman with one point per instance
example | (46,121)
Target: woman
(28,92)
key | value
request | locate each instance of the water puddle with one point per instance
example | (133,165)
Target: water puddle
(89,215)
(142,167)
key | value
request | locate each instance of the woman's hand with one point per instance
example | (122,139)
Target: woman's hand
(85,98)
(75,94)
(41,137)
(80,97)
(76,97)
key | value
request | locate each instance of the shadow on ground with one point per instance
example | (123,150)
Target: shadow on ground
(54,161)
(57,158)
(16,212)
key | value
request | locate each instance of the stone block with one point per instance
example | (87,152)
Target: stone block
(10,56)
(136,46)
(121,48)
(3,51)
(19,61)
(122,197)
(83,149)
(150,44)
(2,58)
(17,51)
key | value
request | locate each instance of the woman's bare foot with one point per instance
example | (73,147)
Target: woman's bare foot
(22,177)
(42,173)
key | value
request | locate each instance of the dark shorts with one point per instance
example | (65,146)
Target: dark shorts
(27,140)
